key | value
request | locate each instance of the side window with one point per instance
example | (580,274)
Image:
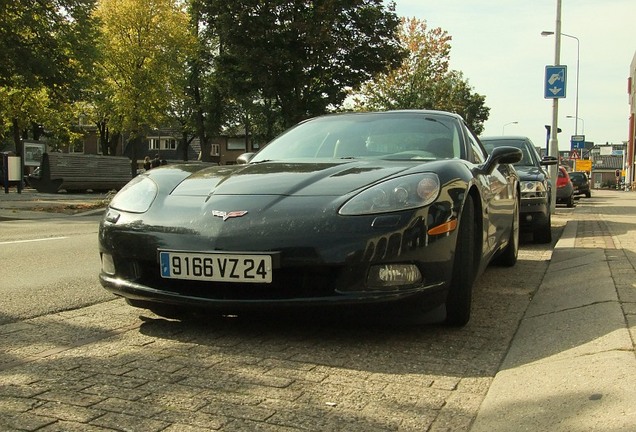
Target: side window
(478,154)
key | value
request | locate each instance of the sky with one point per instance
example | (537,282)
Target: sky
(498,46)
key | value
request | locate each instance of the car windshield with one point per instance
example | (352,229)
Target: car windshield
(577,176)
(529,158)
(405,135)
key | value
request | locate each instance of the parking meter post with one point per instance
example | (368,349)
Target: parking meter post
(11,172)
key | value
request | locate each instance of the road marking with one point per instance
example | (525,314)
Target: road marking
(33,240)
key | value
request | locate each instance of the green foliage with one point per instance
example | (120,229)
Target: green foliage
(206,67)
(46,43)
(296,58)
(46,57)
(423,80)
(145,44)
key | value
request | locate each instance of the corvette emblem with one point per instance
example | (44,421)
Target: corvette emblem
(227,215)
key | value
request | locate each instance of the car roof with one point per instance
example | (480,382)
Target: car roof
(505,137)
(403,111)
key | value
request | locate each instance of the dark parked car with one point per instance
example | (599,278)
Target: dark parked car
(565,189)
(401,208)
(581,183)
(536,187)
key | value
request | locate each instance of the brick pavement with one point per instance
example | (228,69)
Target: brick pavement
(110,367)
(103,368)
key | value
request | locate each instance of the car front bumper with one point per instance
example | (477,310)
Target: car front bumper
(533,212)
(327,261)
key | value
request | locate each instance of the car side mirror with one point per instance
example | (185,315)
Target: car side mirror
(501,155)
(549,160)
(245,158)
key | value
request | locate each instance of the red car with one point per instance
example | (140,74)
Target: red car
(565,189)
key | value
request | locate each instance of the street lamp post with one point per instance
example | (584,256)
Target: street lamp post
(503,129)
(578,57)
(582,124)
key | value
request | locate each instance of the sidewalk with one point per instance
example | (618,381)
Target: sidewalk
(571,366)
(31,204)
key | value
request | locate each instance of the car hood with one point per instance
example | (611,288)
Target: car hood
(289,179)
(530,173)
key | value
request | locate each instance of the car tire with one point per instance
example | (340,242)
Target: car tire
(542,234)
(570,202)
(508,257)
(588,194)
(460,293)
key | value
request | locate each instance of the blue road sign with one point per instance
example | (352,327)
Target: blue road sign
(555,82)
(577,142)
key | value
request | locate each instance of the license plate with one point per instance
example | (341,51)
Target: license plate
(216,267)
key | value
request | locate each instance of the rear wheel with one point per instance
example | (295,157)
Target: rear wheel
(460,294)
(570,202)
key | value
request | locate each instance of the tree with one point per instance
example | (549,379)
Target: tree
(45,50)
(423,80)
(46,42)
(458,97)
(202,86)
(145,44)
(299,57)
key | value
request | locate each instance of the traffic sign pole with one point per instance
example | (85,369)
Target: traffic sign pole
(554,141)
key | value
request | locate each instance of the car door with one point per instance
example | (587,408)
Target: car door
(498,194)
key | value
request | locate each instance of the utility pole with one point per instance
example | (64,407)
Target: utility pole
(554,141)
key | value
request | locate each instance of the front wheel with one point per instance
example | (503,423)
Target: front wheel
(543,233)
(460,294)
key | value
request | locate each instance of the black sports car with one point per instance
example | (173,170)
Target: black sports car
(536,188)
(388,208)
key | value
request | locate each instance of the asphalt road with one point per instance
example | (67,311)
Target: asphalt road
(48,266)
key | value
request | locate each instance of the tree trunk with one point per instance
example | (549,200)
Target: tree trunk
(206,147)
(17,138)
(103,137)
(183,146)
(112,142)
(134,143)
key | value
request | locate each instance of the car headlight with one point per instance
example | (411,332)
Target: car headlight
(403,193)
(136,196)
(530,189)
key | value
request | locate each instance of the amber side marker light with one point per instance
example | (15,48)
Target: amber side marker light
(443,228)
